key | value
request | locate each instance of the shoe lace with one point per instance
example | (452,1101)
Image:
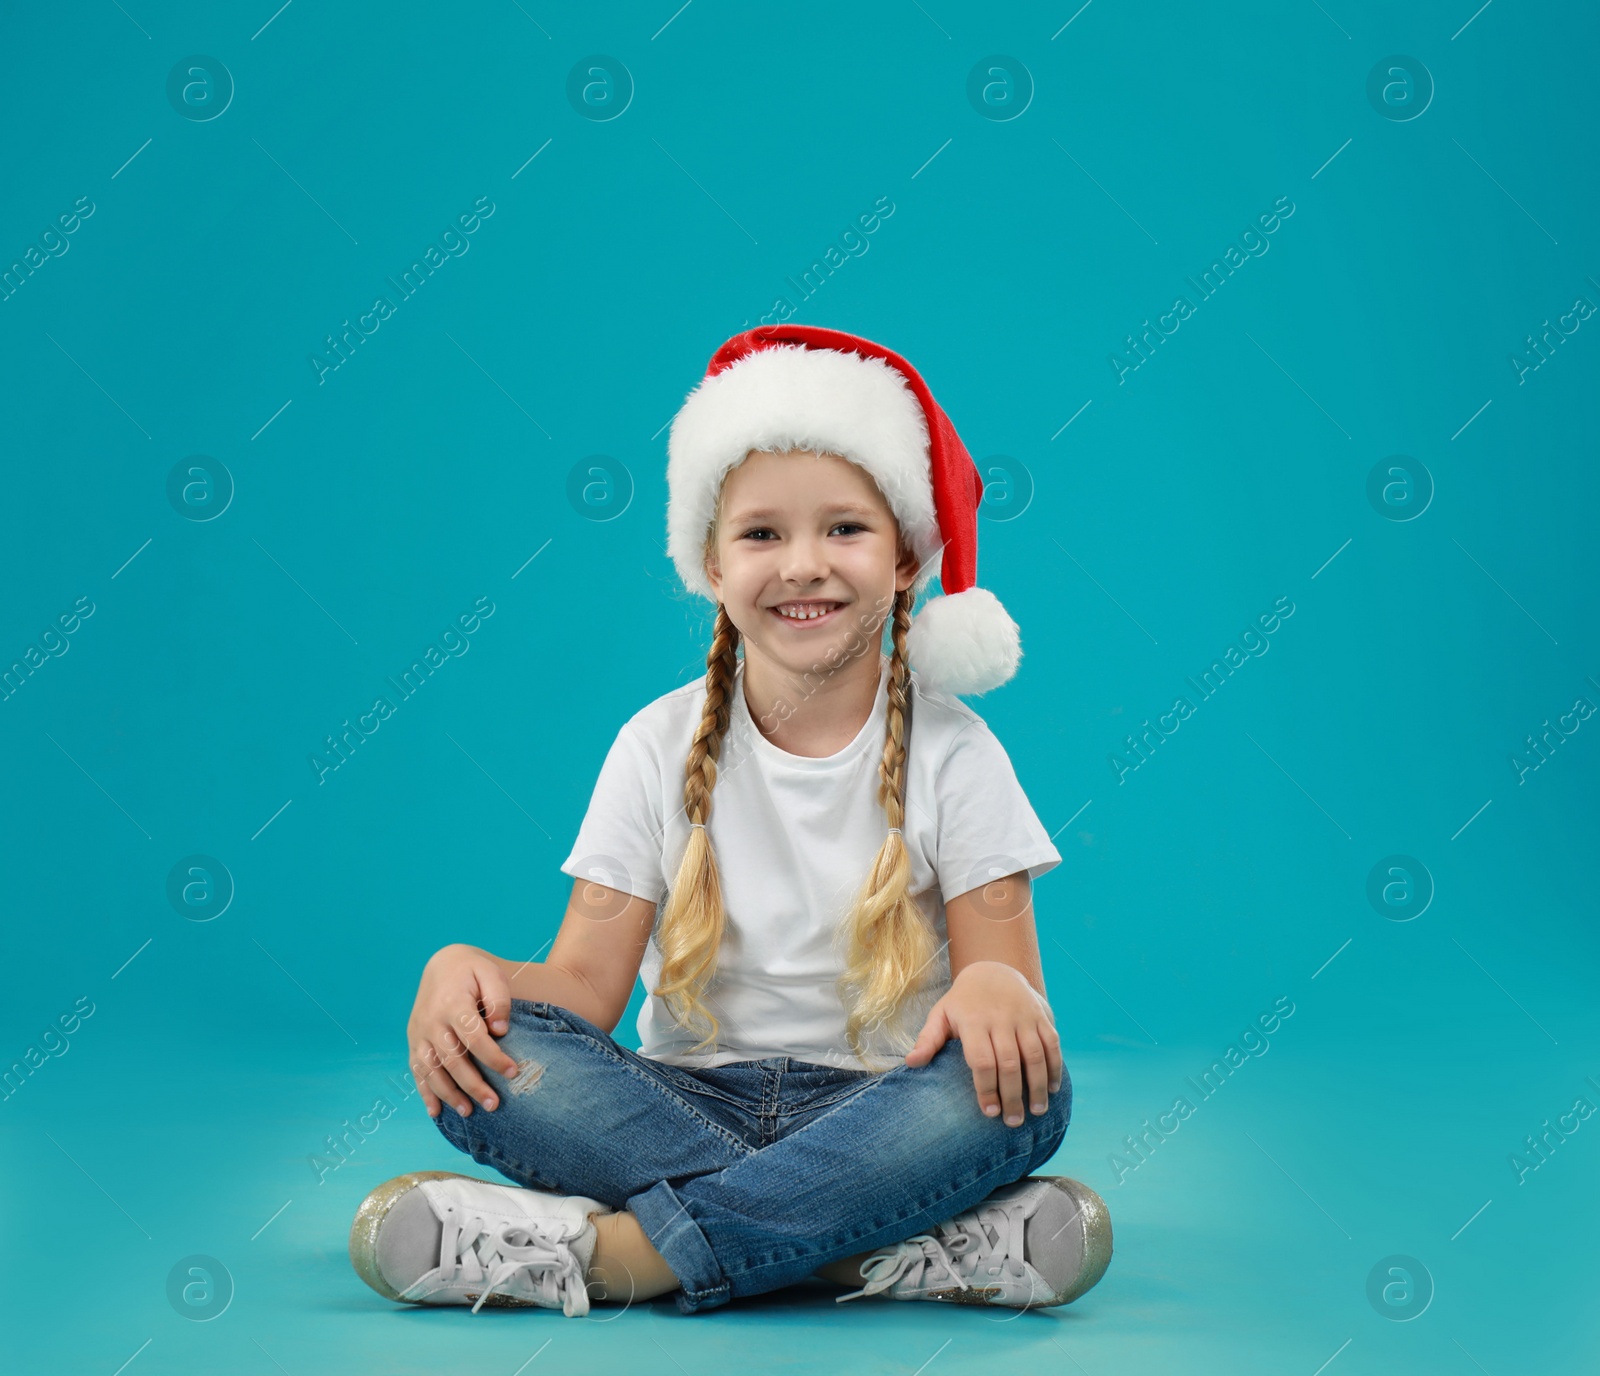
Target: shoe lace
(987,1239)
(473,1251)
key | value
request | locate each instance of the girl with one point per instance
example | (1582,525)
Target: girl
(810,856)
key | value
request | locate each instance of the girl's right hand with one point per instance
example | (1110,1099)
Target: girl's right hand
(446,1028)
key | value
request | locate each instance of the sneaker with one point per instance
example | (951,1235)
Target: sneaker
(435,1237)
(1041,1241)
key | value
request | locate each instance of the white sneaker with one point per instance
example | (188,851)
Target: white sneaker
(435,1237)
(1041,1241)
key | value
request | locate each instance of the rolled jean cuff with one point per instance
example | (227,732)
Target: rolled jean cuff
(666,1222)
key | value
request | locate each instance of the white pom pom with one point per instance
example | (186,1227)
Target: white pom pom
(964,643)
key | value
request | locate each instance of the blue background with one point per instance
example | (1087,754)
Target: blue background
(1140,519)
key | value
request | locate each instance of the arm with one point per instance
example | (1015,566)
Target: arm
(464,1000)
(995,922)
(996,1001)
(595,957)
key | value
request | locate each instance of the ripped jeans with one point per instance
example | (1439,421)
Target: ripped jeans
(747,1177)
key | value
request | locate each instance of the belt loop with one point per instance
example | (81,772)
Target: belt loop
(771,1097)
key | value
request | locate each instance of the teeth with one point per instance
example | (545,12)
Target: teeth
(806,613)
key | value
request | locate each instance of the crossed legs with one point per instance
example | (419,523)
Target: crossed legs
(627,1267)
(700,1210)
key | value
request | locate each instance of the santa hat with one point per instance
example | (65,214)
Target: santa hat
(782,387)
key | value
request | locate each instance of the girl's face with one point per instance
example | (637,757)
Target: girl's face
(806,556)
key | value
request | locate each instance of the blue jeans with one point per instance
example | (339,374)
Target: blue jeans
(747,1177)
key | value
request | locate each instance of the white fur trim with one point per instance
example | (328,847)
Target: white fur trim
(964,643)
(792,397)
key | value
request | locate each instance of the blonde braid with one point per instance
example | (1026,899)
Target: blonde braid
(691,928)
(889,942)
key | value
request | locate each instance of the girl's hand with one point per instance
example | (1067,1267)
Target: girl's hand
(446,1028)
(1003,1024)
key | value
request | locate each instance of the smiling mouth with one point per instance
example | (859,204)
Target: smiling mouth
(806,613)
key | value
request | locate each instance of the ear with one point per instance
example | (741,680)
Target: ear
(905,572)
(713,568)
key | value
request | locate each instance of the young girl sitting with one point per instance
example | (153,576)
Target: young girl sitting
(811,855)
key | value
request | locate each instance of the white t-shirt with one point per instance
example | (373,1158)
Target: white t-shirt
(794,839)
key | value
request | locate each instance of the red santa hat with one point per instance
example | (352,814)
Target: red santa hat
(785,387)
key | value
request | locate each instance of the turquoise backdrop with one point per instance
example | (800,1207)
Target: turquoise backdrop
(338,340)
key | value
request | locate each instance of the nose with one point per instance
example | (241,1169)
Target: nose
(804,560)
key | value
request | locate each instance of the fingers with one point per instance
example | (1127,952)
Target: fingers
(419,1073)
(494,993)
(1037,1065)
(1052,1052)
(464,1071)
(447,1031)
(933,1035)
(448,1074)
(471,1029)
(979,1050)
(998,1074)
(1011,1063)
(440,1084)
(1008,1066)
(435,1084)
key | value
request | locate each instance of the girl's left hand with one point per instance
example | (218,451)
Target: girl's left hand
(1003,1024)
